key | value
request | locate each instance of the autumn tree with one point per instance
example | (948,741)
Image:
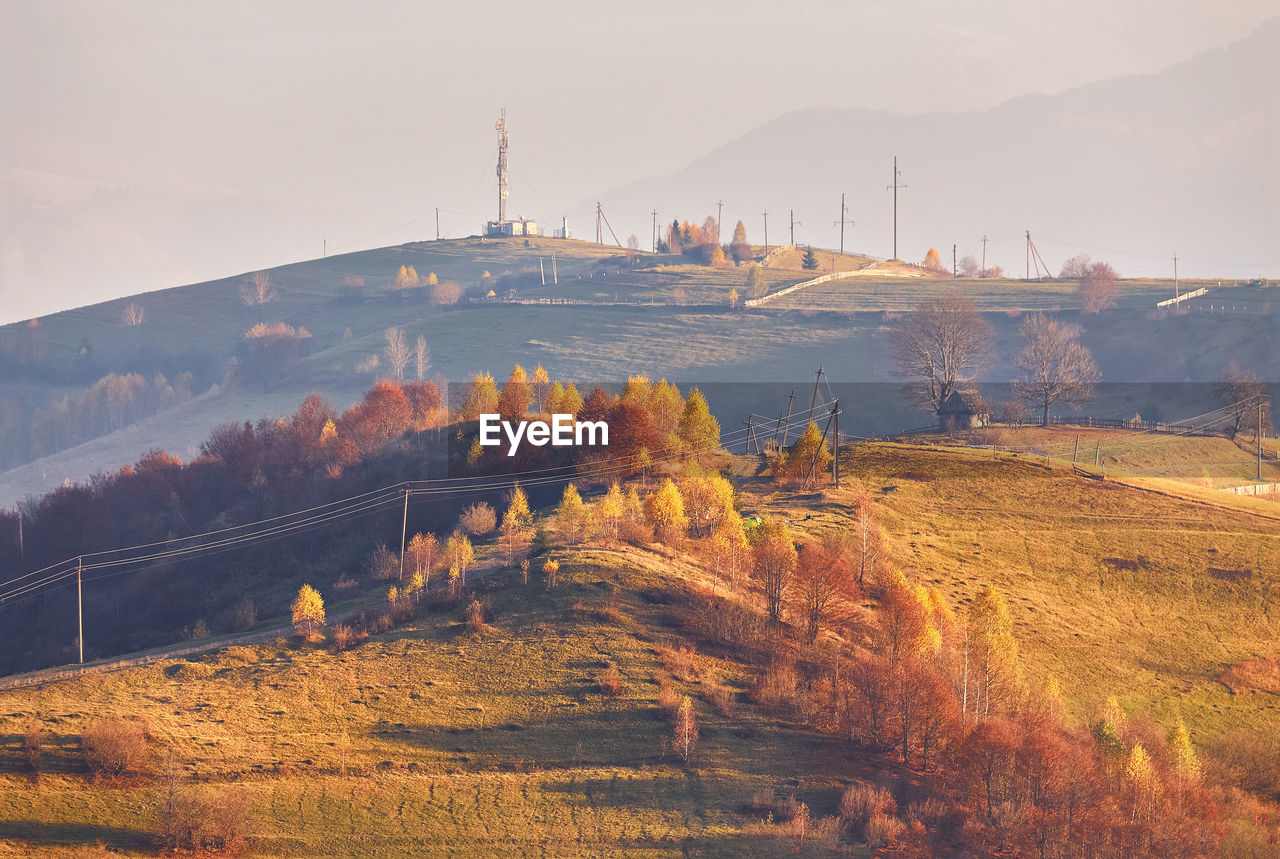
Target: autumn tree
(809,455)
(516,396)
(990,652)
(422,552)
(729,545)
(571,517)
(478,519)
(697,428)
(482,399)
(820,576)
(1097,288)
(664,510)
(867,540)
(396,351)
(686,728)
(774,557)
(540,385)
(757,283)
(904,618)
(445,294)
(514,539)
(933,261)
(705,500)
(518,507)
(938,346)
(739,247)
(571,401)
(257,290)
(633,248)
(612,507)
(1055,367)
(459,554)
(308,611)
(970,267)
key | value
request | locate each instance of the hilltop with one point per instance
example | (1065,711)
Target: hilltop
(191,355)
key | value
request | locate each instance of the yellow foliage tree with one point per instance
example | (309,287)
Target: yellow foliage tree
(664,509)
(482,399)
(541,386)
(571,516)
(516,396)
(308,611)
(460,555)
(610,511)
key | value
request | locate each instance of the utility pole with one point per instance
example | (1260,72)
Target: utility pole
(793,228)
(404,526)
(844,210)
(437,223)
(80,606)
(655,231)
(983,273)
(1028,255)
(953,259)
(21,551)
(895,186)
(542,271)
(719,214)
(1259,438)
(786,425)
(814,399)
(1175,281)
(835,449)
(555,275)
(324,248)
(766,231)
(599,235)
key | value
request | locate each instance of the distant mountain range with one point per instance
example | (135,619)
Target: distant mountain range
(1131,170)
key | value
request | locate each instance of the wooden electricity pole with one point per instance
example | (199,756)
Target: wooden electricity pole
(983,272)
(835,448)
(1259,438)
(80,607)
(766,231)
(786,425)
(404,525)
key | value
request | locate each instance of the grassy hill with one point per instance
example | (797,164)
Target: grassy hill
(611,334)
(432,736)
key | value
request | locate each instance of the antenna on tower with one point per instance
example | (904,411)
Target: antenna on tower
(501,126)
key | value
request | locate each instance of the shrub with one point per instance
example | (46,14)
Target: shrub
(610,681)
(343,637)
(31,748)
(668,700)
(475,616)
(478,519)
(718,695)
(681,662)
(383,564)
(114,747)
(246,614)
(247,655)
(863,803)
(776,685)
(205,821)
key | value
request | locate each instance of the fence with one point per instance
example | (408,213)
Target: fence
(1263,490)
(1145,426)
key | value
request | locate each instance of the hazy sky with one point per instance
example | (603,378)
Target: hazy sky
(184,141)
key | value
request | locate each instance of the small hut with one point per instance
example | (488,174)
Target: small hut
(963,410)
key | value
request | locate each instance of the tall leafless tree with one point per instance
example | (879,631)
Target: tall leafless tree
(397,352)
(258,290)
(938,346)
(132,315)
(422,355)
(1240,392)
(1097,289)
(1055,367)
